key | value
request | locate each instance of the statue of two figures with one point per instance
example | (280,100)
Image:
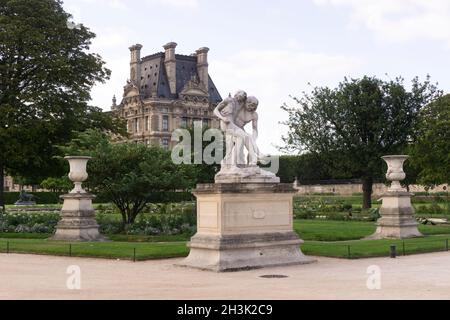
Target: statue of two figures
(240,163)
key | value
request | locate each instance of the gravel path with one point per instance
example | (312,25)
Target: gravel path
(425,276)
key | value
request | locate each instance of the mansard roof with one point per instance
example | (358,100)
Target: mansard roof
(154,79)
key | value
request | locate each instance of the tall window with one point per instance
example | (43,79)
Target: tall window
(155,123)
(165,123)
(136,125)
(165,143)
(184,122)
(147,123)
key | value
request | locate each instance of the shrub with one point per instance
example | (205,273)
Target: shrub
(347,206)
(29,222)
(374,214)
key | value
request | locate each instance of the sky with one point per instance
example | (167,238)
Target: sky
(274,49)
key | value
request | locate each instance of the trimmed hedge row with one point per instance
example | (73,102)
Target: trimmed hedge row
(53,198)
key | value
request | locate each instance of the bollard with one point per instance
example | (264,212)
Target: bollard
(70,250)
(393,251)
(404,251)
(348,252)
(134,255)
(446,244)
(7,246)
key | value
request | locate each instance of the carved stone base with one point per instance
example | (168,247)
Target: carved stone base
(78,219)
(244,226)
(245,174)
(25,203)
(397,217)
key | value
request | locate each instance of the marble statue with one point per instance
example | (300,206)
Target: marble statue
(234,114)
(245,218)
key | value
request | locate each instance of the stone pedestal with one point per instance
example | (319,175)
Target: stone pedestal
(397,217)
(244,226)
(77,219)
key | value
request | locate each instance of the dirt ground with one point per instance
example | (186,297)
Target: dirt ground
(425,276)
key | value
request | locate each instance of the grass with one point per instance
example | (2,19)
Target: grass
(110,250)
(375,248)
(322,238)
(326,230)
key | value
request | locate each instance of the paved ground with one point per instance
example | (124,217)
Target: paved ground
(42,277)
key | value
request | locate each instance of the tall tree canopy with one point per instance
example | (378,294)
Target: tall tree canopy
(353,125)
(431,150)
(46,74)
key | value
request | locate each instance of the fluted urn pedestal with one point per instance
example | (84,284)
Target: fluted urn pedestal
(397,214)
(244,226)
(78,215)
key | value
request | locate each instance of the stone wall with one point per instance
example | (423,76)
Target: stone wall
(351,188)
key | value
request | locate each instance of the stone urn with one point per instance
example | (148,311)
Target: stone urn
(77,214)
(397,214)
(78,173)
(395,172)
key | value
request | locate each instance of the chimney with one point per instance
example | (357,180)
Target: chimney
(114,103)
(170,63)
(135,64)
(202,67)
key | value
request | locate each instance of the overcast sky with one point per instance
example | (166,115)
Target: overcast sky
(273,49)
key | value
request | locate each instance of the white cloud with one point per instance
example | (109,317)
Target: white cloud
(175,3)
(273,75)
(111,38)
(399,20)
(115,4)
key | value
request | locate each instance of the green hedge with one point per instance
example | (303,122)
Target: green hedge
(53,198)
(41,197)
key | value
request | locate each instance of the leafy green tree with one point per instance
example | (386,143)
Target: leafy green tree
(127,174)
(431,150)
(205,173)
(46,74)
(355,124)
(57,185)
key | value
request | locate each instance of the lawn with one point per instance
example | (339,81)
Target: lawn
(322,238)
(326,230)
(110,250)
(375,248)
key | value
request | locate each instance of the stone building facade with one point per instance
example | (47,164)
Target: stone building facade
(167,91)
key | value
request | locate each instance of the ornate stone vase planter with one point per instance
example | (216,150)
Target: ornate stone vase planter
(78,173)
(395,172)
(397,214)
(77,215)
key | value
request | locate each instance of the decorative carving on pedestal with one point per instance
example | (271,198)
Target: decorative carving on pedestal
(77,215)
(244,219)
(397,214)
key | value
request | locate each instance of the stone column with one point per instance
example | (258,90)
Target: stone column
(397,214)
(78,215)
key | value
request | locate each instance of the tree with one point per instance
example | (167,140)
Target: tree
(46,74)
(431,150)
(355,124)
(128,174)
(57,185)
